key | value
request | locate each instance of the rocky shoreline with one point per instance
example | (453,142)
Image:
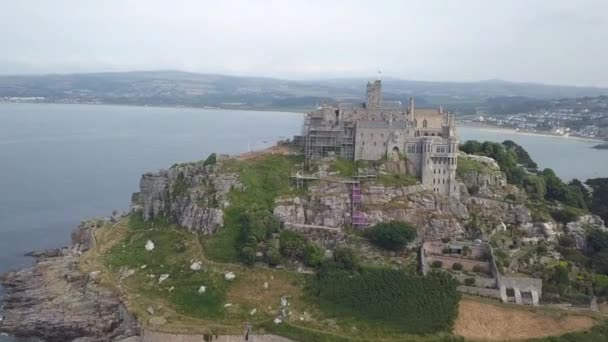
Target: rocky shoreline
(54,301)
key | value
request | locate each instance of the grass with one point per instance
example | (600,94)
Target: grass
(397,180)
(264,179)
(466,165)
(173,253)
(344,167)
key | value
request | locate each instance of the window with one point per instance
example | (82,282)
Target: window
(424,123)
(411,148)
(374,143)
(434,171)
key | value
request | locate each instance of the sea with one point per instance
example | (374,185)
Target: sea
(62,163)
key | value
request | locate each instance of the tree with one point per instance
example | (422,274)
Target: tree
(212,159)
(391,235)
(598,199)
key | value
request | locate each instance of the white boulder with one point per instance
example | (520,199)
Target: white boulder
(163,277)
(149,245)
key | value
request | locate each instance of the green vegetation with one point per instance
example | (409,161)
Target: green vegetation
(595,334)
(180,186)
(598,200)
(211,160)
(411,303)
(520,169)
(397,180)
(174,248)
(466,165)
(344,167)
(264,179)
(391,235)
(256,229)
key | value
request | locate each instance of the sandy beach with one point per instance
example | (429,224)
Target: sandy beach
(490,128)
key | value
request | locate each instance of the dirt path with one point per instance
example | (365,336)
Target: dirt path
(478,320)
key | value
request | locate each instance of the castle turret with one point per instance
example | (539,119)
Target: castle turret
(374,95)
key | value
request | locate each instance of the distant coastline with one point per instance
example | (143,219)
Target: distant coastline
(244,108)
(511,130)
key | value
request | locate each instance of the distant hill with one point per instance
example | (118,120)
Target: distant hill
(176,88)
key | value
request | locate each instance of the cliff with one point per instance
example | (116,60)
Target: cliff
(55,301)
(192,195)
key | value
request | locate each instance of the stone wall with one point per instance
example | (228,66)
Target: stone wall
(467,264)
(479,291)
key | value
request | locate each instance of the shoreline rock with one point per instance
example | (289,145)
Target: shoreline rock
(54,301)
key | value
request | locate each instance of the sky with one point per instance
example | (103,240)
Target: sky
(546,41)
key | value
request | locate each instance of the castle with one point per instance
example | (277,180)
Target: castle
(378,129)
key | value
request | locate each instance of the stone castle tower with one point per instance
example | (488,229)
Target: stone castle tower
(374,95)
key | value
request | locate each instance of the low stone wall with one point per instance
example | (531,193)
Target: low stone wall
(150,336)
(479,281)
(479,291)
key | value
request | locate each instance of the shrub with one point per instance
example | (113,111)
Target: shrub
(445,239)
(292,244)
(469,282)
(566,241)
(511,197)
(479,269)
(436,264)
(391,235)
(466,250)
(568,214)
(457,266)
(408,302)
(273,256)
(211,160)
(313,255)
(346,259)
(541,248)
(445,250)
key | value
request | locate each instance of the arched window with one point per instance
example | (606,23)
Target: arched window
(415,123)
(424,123)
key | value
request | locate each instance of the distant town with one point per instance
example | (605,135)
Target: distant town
(581,117)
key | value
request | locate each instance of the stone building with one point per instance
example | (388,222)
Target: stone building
(378,129)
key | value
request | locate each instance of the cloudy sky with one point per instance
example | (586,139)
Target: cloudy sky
(549,41)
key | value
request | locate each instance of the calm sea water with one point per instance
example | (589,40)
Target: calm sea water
(60,164)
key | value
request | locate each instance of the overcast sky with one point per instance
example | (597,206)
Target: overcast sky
(548,41)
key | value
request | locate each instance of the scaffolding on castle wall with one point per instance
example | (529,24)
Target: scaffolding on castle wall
(322,141)
(358,217)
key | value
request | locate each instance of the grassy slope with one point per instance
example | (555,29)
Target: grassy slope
(264,179)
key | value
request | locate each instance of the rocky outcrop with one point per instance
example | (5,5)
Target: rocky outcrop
(193,195)
(483,183)
(53,300)
(436,216)
(328,204)
(580,228)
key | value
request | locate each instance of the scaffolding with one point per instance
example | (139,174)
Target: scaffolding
(358,217)
(325,140)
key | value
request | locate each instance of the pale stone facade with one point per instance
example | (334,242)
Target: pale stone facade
(379,129)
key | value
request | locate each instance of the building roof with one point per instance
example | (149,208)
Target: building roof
(381,124)
(427,112)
